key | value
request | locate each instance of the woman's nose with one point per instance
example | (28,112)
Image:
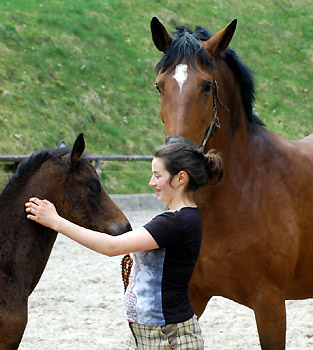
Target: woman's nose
(152,182)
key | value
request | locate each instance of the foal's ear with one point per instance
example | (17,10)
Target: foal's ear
(162,40)
(219,42)
(78,148)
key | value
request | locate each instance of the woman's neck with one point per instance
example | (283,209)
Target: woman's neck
(181,202)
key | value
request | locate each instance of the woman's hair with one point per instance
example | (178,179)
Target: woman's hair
(202,169)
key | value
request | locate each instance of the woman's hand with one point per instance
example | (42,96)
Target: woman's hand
(43,212)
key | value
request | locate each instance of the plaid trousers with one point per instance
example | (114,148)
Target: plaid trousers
(181,336)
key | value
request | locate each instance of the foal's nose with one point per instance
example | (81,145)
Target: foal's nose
(123,228)
(128,227)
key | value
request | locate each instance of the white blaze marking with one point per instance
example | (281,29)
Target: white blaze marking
(181,75)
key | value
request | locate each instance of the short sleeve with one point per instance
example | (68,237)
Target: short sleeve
(165,229)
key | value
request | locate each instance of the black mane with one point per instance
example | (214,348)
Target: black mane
(186,45)
(29,166)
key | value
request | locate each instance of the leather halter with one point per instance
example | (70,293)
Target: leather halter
(213,127)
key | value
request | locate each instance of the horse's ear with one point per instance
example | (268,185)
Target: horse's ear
(219,42)
(160,36)
(78,148)
(62,144)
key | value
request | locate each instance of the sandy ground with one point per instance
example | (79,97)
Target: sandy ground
(78,304)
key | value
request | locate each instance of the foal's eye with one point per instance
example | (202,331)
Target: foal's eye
(206,87)
(93,186)
(158,88)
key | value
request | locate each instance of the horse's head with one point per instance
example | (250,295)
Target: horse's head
(188,79)
(76,190)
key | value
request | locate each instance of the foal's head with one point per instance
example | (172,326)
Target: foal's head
(66,178)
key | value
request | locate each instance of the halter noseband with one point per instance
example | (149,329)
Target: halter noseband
(213,127)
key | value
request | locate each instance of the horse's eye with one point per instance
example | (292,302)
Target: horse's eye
(206,87)
(93,186)
(158,88)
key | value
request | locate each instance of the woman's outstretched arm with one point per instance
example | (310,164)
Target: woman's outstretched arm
(44,213)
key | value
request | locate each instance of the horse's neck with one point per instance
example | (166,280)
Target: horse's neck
(233,146)
(250,158)
(243,151)
(24,245)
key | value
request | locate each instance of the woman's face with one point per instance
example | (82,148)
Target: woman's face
(160,180)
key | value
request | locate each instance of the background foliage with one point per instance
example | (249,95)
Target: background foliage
(88,66)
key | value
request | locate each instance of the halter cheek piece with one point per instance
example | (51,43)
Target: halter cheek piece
(213,127)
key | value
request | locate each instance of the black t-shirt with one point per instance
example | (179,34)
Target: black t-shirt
(158,289)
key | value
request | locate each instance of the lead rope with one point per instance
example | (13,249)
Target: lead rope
(126,266)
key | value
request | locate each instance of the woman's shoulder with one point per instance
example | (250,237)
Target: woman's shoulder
(176,216)
(188,211)
(189,217)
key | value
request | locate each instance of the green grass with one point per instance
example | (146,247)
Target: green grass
(88,66)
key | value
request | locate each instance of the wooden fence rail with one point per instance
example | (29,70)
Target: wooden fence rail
(97,158)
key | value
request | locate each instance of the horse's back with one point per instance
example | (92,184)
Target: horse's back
(308,138)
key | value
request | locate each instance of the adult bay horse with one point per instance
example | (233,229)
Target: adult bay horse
(68,179)
(257,224)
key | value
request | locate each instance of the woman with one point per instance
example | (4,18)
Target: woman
(166,249)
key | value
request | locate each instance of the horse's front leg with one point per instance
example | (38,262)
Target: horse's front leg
(13,319)
(270,314)
(12,329)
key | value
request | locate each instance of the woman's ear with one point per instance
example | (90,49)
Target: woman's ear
(183,177)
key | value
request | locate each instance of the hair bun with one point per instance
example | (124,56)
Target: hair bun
(214,167)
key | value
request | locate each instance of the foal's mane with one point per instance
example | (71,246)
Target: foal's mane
(185,44)
(29,166)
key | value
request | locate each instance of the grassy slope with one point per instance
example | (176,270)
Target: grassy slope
(87,66)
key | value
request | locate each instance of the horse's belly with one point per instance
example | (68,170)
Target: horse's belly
(301,291)
(301,285)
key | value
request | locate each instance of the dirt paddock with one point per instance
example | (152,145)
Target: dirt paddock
(78,303)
